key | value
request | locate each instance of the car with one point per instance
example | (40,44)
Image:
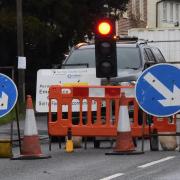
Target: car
(133,57)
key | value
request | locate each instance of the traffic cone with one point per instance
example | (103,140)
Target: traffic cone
(124,141)
(30,148)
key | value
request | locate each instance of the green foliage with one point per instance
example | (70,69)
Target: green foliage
(7,118)
(7,21)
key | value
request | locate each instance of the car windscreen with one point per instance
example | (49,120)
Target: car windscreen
(127,57)
(82,56)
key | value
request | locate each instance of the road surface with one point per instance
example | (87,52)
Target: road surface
(93,164)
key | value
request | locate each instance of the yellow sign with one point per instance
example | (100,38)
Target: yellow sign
(75,84)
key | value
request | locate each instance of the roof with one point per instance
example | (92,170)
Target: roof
(89,46)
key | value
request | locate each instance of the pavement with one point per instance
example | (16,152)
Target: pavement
(41,122)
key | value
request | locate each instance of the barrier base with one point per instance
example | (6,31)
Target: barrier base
(30,157)
(5,148)
(125,153)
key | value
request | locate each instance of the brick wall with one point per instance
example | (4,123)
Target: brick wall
(132,20)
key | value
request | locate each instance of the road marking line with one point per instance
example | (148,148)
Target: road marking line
(112,176)
(156,162)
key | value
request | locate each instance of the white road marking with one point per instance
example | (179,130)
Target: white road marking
(112,176)
(156,162)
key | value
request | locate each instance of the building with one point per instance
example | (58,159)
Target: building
(149,14)
(168,13)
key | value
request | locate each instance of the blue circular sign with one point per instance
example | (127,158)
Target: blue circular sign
(8,94)
(158,90)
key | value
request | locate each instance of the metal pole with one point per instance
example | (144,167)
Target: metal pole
(20,51)
(17,119)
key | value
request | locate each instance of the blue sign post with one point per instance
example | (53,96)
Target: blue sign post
(8,94)
(158,90)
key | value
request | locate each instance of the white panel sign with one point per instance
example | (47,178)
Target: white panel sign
(21,62)
(48,77)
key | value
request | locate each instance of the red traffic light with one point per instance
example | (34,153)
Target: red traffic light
(104,28)
(105,48)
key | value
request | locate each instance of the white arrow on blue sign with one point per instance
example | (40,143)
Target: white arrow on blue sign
(158,90)
(8,94)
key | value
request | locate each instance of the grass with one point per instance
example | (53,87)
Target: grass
(8,117)
(11,116)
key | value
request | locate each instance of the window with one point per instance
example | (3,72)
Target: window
(145,56)
(150,55)
(164,11)
(171,12)
(126,57)
(158,55)
(80,56)
(134,7)
(177,12)
(141,9)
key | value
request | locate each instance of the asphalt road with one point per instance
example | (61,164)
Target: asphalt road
(93,164)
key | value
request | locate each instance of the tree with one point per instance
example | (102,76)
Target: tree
(50,27)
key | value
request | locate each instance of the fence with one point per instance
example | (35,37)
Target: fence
(103,120)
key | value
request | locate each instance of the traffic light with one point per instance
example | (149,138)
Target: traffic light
(105,48)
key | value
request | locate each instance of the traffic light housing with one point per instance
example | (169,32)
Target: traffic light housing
(105,48)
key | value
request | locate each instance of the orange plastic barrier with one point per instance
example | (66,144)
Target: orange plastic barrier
(166,124)
(98,122)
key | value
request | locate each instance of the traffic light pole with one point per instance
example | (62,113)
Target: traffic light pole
(108,80)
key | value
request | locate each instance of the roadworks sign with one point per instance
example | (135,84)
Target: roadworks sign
(65,77)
